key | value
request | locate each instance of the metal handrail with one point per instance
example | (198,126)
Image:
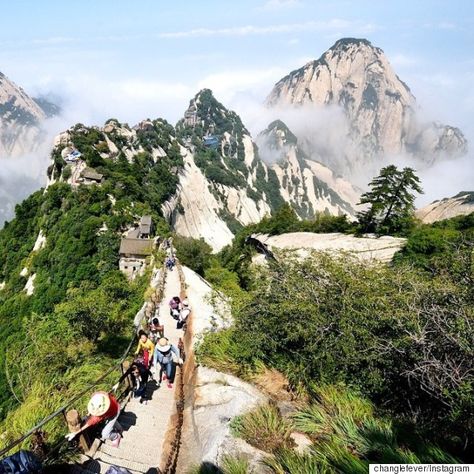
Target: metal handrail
(61,410)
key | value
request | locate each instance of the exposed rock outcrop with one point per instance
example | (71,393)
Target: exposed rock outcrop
(461,204)
(380,108)
(368,248)
(307,185)
(219,398)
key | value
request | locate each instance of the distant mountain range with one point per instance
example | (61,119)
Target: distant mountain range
(381,110)
(229,179)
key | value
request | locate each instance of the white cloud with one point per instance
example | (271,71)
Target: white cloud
(402,60)
(227,85)
(334,25)
(280,4)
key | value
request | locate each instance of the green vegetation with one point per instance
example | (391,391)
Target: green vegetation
(399,336)
(347,435)
(263,428)
(390,202)
(225,163)
(230,465)
(193,253)
(77,321)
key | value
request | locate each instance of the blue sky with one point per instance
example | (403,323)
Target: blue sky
(133,60)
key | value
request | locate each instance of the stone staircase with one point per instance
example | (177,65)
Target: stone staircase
(145,424)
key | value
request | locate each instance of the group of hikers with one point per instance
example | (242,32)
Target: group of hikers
(170,260)
(155,358)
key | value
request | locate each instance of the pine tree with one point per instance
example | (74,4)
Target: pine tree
(390,201)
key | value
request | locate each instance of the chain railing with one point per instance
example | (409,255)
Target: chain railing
(173,455)
(36,431)
(62,410)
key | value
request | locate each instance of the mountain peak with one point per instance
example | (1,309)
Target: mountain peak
(380,109)
(278,134)
(345,43)
(20,118)
(207,116)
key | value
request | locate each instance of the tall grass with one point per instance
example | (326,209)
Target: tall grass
(263,428)
(348,435)
(232,465)
(286,461)
(347,432)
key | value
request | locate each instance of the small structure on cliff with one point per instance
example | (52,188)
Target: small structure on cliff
(136,248)
(91,176)
(134,254)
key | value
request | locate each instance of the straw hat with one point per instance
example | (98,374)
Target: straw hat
(163,344)
(99,404)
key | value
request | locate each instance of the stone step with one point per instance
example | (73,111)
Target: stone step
(150,457)
(145,424)
(134,460)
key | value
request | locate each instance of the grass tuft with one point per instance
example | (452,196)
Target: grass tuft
(263,428)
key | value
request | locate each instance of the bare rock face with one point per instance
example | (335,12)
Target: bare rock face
(219,398)
(225,184)
(309,186)
(368,248)
(461,204)
(379,106)
(20,117)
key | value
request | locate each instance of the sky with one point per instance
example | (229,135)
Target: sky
(136,60)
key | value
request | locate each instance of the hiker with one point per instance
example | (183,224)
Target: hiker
(144,349)
(139,375)
(156,329)
(168,356)
(21,462)
(102,407)
(175,307)
(183,314)
(170,262)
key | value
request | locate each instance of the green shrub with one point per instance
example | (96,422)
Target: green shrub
(194,253)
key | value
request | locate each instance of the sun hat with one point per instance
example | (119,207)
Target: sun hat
(99,404)
(163,344)
(185,302)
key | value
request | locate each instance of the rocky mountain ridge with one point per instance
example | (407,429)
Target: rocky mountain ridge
(380,108)
(20,119)
(223,184)
(461,204)
(309,186)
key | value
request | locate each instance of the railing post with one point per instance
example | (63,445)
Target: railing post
(125,367)
(74,424)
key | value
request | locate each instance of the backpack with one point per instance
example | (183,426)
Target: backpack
(117,470)
(22,462)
